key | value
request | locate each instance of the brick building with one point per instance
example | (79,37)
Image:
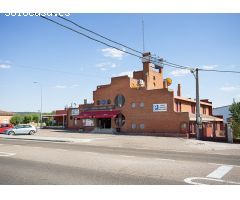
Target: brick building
(142,105)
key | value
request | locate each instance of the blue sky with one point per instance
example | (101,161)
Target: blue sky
(70,66)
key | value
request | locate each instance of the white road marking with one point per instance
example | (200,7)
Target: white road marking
(125,156)
(164,159)
(223,164)
(6,154)
(220,172)
(190,180)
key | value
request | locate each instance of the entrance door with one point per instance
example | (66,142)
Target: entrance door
(104,123)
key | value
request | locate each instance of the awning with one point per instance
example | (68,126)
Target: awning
(98,114)
(106,114)
(84,115)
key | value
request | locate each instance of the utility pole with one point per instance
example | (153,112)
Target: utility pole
(198,116)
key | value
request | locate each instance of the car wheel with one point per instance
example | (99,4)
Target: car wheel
(31,132)
(10,133)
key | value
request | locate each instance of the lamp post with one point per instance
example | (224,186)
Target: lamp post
(41,102)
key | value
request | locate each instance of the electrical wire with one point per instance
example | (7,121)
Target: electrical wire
(95,33)
(152,59)
(96,40)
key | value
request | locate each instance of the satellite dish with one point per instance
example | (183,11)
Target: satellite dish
(169,81)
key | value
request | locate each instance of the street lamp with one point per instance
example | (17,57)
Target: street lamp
(41,102)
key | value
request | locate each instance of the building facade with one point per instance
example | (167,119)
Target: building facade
(142,105)
(5,117)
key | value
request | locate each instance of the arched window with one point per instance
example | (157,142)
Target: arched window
(119,100)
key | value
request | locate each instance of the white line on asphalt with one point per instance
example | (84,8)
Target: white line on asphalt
(223,164)
(220,172)
(125,156)
(6,154)
(164,159)
(190,180)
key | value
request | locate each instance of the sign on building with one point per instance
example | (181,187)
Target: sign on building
(160,107)
(88,122)
(75,111)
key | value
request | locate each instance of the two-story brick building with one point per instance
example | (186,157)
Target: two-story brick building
(142,105)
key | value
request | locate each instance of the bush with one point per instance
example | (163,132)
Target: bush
(27,119)
(16,119)
(35,118)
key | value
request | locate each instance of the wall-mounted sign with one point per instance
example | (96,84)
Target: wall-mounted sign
(75,111)
(88,122)
(160,107)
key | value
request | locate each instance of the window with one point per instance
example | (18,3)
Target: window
(204,110)
(154,84)
(134,126)
(193,108)
(179,106)
(98,102)
(133,105)
(109,101)
(142,126)
(142,104)
(154,78)
(119,100)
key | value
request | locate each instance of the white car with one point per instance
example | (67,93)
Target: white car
(21,129)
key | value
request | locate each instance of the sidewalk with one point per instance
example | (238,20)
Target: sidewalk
(127,141)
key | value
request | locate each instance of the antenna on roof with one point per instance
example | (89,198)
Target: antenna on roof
(143,35)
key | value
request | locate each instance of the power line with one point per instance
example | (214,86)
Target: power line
(221,71)
(152,59)
(95,33)
(96,40)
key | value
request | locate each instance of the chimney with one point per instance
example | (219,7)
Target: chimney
(179,90)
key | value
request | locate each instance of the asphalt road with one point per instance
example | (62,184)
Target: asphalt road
(32,162)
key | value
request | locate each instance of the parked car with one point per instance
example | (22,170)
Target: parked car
(4,127)
(21,129)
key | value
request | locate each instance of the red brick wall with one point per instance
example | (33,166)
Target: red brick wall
(154,122)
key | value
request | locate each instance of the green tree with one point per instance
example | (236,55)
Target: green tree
(16,119)
(27,119)
(235,112)
(35,118)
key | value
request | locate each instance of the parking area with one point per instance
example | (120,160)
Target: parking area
(135,142)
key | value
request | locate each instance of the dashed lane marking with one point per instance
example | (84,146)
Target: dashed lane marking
(164,159)
(6,154)
(220,172)
(223,164)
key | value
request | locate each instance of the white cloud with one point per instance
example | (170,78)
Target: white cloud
(60,86)
(4,66)
(230,88)
(106,65)
(180,72)
(128,73)
(113,53)
(74,85)
(208,67)
(113,65)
